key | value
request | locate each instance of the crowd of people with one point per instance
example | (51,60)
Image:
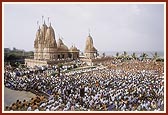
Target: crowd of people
(123,86)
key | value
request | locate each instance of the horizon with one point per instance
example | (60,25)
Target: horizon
(113,53)
(98,50)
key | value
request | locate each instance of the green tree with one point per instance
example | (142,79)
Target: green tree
(117,55)
(104,54)
(134,55)
(155,56)
(125,54)
(144,56)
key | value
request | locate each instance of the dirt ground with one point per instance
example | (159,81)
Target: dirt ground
(11,96)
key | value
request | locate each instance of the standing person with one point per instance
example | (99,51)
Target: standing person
(82,91)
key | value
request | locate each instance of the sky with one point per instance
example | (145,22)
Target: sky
(113,27)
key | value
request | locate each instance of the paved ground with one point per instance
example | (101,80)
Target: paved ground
(11,96)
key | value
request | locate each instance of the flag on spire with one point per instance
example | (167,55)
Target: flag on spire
(37,23)
(49,21)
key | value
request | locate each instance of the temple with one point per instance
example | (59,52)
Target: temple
(48,51)
(90,50)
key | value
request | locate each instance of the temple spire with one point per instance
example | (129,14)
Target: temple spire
(61,38)
(42,19)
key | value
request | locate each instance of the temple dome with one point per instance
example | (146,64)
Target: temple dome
(61,46)
(74,49)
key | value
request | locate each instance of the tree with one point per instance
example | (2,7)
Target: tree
(134,56)
(155,56)
(117,55)
(103,54)
(12,57)
(144,56)
(14,49)
(125,54)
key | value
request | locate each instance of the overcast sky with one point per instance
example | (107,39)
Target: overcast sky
(113,27)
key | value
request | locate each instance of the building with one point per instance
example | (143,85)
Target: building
(90,50)
(48,51)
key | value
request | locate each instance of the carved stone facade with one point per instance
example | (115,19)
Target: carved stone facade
(48,50)
(90,50)
(46,47)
